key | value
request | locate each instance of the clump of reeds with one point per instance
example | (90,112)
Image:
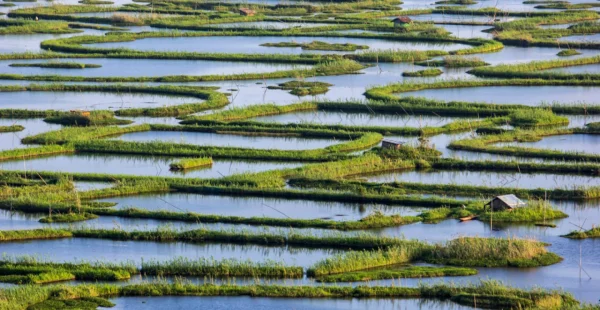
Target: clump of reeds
(568,52)
(423,73)
(188,163)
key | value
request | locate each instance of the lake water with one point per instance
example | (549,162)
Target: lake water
(526,95)
(487,178)
(251,45)
(227,140)
(33,126)
(57,100)
(256,206)
(358,119)
(78,249)
(137,165)
(245,302)
(146,67)
(567,143)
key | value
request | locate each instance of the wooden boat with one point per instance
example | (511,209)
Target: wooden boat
(468,218)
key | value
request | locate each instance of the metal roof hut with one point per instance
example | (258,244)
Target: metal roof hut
(505,202)
(402,21)
(391,144)
(247,12)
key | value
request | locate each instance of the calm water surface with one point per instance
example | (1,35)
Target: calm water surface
(33,126)
(358,119)
(146,67)
(134,165)
(251,45)
(527,95)
(50,100)
(566,143)
(225,140)
(487,178)
(244,302)
(77,249)
(257,206)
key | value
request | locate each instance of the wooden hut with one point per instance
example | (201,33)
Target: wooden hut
(247,12)
(391,144)
(80,113)
(402,21)
(505,202)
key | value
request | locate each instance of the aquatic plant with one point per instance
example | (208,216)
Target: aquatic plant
(398,273)
(568,52)
(189,163)
(422,73)
(57,65)
(319,45)
(454,62)
(579,234)
(68,218)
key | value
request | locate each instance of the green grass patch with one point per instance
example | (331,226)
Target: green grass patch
(592,233)
(11,128)
(95,2)
(535,69)
(535,118)
(568,52)
(17,235)
(320,68)
(57,65)
(406,272)
(86,118)
(30,152)
(188,163)
(72,134)
(493,252)
(223,268)
(68,218)
(212,99)
(84,303)
(320,46)
(454,62)
(30,26)
(534,211)
(351,261)
(492,292)
(423,73)
(486,144)
(51,276)
(388,93)
(303,88)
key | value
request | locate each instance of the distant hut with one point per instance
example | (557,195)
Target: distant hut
(402,21)
(505,202)
(391,144)
(80,113)
(247,12)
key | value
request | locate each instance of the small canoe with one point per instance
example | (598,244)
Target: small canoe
(468,218)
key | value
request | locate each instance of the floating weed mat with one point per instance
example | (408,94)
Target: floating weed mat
(303,88)
(69,218)
(189,163)
(57,65)
(581,234)
(319,45)
(454,62)
(423,73)
(86,118)
(398,273)
(84,303)
(497,295)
